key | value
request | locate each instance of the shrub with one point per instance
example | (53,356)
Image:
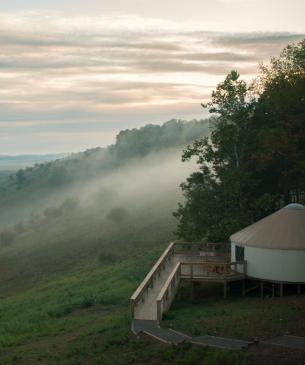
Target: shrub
(117,215)
(107,258)
(7,238)
(52,212)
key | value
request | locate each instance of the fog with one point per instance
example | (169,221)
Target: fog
(145,182)
(143,192)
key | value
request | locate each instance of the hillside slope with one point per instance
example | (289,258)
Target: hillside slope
(33,189)
(68,272)
(84,230)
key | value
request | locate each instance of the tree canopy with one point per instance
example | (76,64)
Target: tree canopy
(253,162)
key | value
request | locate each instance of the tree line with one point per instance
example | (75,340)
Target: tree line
(130,143)
(253,162)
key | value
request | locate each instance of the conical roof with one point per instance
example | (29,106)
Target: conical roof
(282,230)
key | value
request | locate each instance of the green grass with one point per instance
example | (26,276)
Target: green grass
(84,319)
(64,297)
(246,318)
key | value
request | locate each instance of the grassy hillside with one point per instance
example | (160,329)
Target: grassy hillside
(80,246)
(83,318)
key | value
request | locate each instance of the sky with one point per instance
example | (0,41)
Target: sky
(74,73)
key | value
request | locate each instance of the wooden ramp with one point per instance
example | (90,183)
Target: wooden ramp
(293,342)
(181,261)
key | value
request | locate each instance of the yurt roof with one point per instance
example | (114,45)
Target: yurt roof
(282,230)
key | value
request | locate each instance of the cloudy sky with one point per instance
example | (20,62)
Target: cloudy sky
(74,73)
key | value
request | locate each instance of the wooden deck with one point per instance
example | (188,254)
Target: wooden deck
(182,261)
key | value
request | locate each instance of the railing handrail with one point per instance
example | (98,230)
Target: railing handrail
(168,282)
(209,264)
(186,246)
(206,263)
(213,263)
(201,243)
(137,293)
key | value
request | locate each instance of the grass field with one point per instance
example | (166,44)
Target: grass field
(83,318)
(247,318)
(66,280)
(64,299)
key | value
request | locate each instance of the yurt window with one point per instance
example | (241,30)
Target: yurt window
(239,253)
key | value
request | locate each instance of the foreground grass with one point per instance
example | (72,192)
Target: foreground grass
(84,319)
(246,318)
(66,302)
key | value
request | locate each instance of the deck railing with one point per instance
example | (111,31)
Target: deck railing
(212,270)
(148,282)
(203,249)
(168,291)
(194,270)
(207,266)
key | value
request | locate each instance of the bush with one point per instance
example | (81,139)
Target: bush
(7,238)
(117,215)
(19,228)
(52,212)
(107,258)
(69,205)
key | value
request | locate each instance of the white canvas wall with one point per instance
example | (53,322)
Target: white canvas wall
(278,265)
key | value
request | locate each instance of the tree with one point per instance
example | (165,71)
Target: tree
(217,193)
(280,123)
(20,178)
(254,160)
(7,238)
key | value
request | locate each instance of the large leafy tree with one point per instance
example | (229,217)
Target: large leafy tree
(253,161)
(216,194)
(279,122)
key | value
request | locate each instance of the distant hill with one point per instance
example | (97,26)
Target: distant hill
(29,190)
(11,163)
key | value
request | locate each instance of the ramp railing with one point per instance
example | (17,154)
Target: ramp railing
(147,284)
(168,292)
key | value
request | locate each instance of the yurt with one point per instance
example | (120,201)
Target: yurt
(274,247)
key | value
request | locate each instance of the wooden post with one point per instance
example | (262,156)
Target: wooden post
(193,290)
(225,289)
(132,308)
(273,290)
(245,267)
(262,289)
(281,289)
(244,287)
(159,312)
